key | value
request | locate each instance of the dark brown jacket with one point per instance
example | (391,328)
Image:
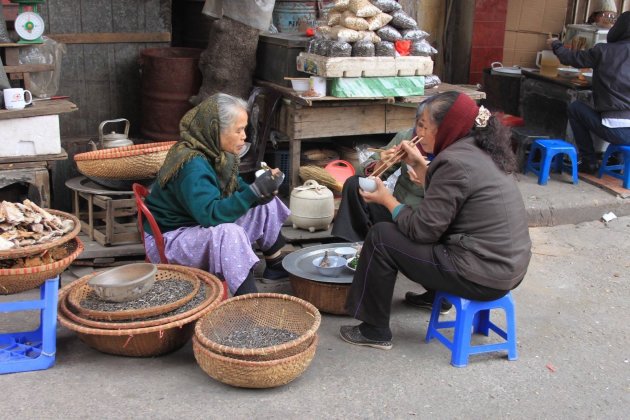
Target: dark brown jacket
(477,211)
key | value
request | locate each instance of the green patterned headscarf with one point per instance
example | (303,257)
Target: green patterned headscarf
(200,135)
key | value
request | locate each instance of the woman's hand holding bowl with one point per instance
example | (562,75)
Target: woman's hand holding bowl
(379,196)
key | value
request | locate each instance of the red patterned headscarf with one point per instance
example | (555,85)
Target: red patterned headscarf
(457,123)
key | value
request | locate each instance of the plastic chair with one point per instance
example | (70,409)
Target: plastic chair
(617,170)
(473,317)
(140,192)
(32,350)
(551,152)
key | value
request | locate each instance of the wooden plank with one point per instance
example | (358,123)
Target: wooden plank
(40,108)
(398,118)
(93,249)
(32,160)
(320,122)
(29,68)
(607,183)
(112,37)
(443,87)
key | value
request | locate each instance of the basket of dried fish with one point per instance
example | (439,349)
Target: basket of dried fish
(259,326)
(141,161)
(27,229)
(144,338)
(25,273)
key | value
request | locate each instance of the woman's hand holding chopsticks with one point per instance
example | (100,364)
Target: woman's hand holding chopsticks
(417,164)
(392,156)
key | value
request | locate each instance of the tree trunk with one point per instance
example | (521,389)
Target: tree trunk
(228,63)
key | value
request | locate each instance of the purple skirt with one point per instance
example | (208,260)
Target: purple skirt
(225,249)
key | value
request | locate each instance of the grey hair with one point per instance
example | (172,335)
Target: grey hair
(229,107)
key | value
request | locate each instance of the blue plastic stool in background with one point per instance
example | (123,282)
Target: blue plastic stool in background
(32,350)
(473,316)
(620,170)
(551,152)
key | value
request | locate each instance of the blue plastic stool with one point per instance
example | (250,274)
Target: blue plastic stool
(473,317)
(551,152)
(621,170)
(32,350)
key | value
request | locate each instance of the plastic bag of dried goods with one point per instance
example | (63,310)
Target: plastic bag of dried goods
(378,21)
(371,35)
(384,49)
(350,20)
(389,33)
(334,18)
(341,5)
(414,34)
(341,33)
(363,48)
(402,20)
(386,6)
(431,81)
(363,8)
(340,49)
(422,48)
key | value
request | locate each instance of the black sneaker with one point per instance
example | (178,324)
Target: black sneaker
(425,301)
(587,167)
(353,335)
(274,275)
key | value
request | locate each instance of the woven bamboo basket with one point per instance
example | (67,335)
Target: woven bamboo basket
(259,310)
(253,374)
(16,280)
(213,295)
(164,272)
(319,157)
(137,342)
(39,248)
(141,161)
(327,297)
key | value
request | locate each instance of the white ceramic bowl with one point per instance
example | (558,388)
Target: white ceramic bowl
(568,72)
(124,283)
(334,269)
(345,252)
(588,76)
(367,184)
(300,85)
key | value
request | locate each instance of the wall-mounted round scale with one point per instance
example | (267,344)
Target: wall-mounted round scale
(29,25)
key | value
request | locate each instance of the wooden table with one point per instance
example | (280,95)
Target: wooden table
(307,119)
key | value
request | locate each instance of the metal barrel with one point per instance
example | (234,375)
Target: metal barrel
(288,15)
(170,76)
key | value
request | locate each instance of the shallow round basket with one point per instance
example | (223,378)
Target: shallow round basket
(259,310)
(138,342)
(327,297)
(16,280)
(253,374)
(140,161)
(39,248)
(164,272)
(211,286)
(319,157)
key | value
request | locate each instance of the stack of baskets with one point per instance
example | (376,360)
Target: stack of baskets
(16,280)
(120,166)
(144,332)
(257,367)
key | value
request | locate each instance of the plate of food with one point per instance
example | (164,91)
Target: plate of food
(352,263)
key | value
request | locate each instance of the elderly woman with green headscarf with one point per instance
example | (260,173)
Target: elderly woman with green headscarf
(209,217)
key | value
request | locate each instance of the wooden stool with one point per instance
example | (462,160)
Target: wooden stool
(104,206)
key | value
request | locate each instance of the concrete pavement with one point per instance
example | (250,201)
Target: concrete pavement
(574,357)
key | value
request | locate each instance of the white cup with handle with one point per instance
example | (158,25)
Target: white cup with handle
(15,98)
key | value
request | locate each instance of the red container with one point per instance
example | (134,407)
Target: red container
(340,170)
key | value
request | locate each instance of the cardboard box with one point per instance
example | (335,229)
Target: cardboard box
(30,136)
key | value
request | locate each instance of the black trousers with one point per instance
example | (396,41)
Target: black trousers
(385,252)
(355,217)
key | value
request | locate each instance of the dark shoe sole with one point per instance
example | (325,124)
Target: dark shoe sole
(423,305)
(352,335)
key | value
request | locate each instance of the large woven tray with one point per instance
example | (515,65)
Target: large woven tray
(141,161)
(39,248)
(213,295)
(165,272)
(16,280)
(260,310)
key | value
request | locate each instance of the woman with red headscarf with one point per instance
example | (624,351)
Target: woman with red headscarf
(469,235)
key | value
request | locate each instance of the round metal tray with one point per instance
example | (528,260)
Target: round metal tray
(300,263)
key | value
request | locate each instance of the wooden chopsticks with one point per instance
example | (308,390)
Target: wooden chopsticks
(394,159)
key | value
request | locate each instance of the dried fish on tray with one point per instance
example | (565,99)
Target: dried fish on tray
(27,229)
